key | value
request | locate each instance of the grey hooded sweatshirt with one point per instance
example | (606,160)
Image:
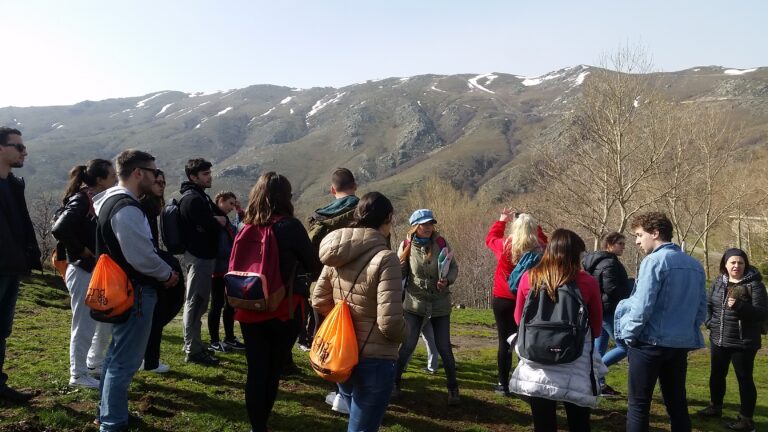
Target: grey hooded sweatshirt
(134,236)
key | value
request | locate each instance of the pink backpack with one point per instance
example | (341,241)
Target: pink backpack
(254,281)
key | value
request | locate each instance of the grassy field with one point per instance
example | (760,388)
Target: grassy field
(193,398)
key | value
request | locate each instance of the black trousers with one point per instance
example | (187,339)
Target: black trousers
(266,347)
(169,303)
(219,304)
(442,328)
(743,364)
(504,313)
(545,416)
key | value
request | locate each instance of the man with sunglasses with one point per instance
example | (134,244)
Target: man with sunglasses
(124,234)
(19,253)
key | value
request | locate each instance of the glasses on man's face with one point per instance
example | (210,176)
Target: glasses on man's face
(21,148)
(155,172)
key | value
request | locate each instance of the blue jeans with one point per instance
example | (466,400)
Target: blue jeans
(124,355)
(367,392)
(618,353)
(9,291)
(442,328)
(647,364)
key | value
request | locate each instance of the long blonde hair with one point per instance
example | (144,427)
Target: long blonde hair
(522,238)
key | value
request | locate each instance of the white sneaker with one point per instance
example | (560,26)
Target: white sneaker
(160,369)
(340,404)
(85,381)
(330,397)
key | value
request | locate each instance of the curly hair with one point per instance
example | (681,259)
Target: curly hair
(654,221)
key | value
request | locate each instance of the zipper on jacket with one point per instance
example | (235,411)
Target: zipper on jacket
(741,337)
(722,317)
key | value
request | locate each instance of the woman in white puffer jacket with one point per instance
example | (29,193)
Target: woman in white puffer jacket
(574,383)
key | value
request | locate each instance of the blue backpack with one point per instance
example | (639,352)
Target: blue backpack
(525,263)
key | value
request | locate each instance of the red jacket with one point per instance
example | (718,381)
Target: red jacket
(590,292)
(495,242)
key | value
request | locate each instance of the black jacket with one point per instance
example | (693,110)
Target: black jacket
(611,276)
(75,229)
(19,252)
(296,249)
(200,229)
(739,326)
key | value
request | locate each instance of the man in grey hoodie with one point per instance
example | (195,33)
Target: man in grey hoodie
(123,233)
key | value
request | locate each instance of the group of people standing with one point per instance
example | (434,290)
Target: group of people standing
(393,295)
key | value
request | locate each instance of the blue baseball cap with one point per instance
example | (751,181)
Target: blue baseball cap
(421,216)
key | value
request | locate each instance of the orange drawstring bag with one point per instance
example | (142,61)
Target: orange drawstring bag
(110,292)
(59,264)
(334,352)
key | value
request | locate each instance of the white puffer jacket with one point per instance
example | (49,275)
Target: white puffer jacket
(563,382)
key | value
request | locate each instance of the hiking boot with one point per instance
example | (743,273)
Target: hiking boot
(711,411)
(220,347)
(453,397)
(15,396)
(202,358)
(608,391)
(234,344)
(85,381)
(428,371)
(742,424)
(501,389)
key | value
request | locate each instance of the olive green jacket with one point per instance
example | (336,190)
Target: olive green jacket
(422,296)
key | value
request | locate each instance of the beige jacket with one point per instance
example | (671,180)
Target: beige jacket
(375,301)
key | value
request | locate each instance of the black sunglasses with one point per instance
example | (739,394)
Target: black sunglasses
(156,172)
(21,148)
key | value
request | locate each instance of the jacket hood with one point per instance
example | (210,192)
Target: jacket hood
(99,199)
(339,205)
(592,259)
(345,245)
(188,185)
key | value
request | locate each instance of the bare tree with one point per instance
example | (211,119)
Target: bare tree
(598,163)
(41,211)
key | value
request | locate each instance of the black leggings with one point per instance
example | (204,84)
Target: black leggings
(545,416)
(743,364)
(442,327)
(169,303)
(504,313)
(219,302)
(266,346)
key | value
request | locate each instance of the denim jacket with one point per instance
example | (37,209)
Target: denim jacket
(668,304)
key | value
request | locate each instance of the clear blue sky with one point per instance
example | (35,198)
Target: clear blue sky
(62,52)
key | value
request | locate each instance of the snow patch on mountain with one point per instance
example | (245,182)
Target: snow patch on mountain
(224,111)
(738,71)
(163,109)
(141,103)
(580,79)
(437,89)
(286,100)
(322,103)
(489,76)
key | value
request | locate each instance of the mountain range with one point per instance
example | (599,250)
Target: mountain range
(475,130)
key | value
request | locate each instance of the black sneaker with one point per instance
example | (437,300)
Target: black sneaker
(742,424)
(220,347)
(234,344)
(501,389)
(608,391)
(15,396)
(202,358)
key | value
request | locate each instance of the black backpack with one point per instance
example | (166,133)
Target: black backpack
(170,227)
(553,332)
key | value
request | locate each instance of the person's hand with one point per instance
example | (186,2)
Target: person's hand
(172,281)
(731,302)
(442,284)
(221,219)
(507,214)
